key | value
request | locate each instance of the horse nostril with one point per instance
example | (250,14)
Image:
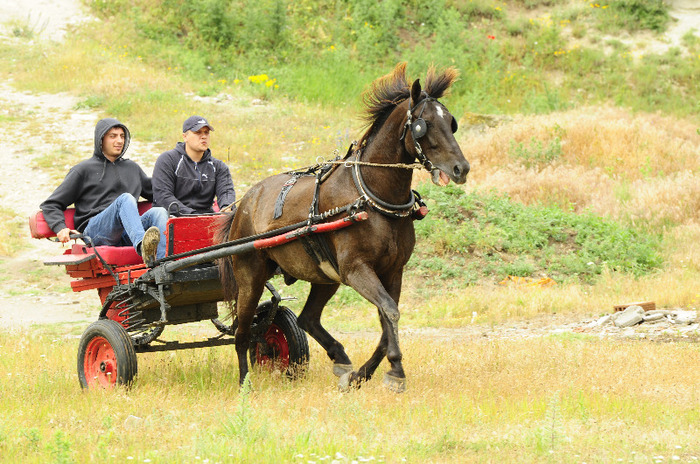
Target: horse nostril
(461,171)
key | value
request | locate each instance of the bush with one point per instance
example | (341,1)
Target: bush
(509,62)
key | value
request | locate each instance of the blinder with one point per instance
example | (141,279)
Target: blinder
(418,128)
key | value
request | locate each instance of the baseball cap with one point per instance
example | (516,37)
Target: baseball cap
(194,123)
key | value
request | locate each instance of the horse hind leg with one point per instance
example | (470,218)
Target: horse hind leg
(310,321)
(249,293)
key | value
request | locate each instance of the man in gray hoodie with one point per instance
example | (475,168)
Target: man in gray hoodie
(104,190)
(187,178)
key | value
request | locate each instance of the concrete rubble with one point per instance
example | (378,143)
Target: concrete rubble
(635,322)
(661,325)
(631,316)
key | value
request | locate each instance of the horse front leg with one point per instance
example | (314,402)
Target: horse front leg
(386,298)
(310,321)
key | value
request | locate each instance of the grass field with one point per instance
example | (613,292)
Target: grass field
(559,399)
(569,134)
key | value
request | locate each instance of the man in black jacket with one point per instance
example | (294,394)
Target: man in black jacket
(187,178)
(104,190)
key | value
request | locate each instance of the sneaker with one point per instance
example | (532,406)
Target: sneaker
(149,245)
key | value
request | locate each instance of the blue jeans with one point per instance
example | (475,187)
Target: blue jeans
(120,224)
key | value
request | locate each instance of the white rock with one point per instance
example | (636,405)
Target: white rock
(654,317)
(629,317)
(684,317)
(601,322)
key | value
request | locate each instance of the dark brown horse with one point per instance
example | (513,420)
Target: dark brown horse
(405,123)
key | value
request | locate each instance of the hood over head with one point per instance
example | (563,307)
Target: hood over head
(102,127)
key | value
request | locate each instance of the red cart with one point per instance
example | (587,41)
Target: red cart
(138,302)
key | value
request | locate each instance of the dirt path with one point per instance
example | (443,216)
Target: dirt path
(24,188)
(42,124)
(48,18)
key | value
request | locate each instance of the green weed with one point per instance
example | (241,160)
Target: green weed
(633,15)
(60,448)
(535,154)
(28,28)
(508,238)
(326,52)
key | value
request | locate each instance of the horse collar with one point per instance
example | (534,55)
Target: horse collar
(387,209)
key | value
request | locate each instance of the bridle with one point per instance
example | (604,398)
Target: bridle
(419,128)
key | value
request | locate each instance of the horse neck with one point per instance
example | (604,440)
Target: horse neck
(391,184)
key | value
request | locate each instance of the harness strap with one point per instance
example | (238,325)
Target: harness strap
(422,159)
(279,203)
(316,245)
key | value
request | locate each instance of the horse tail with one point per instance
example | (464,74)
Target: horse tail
(222,234)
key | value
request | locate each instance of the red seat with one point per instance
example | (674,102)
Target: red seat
(114,255)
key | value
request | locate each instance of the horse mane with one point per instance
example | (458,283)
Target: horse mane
(387,92)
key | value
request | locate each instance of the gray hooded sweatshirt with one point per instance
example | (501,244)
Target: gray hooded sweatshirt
(184,187)
(92,185)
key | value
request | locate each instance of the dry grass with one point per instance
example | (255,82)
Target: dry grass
(570,187)
(562,399)
(11,232)
(617,141)
(640,167)
(552,399)
(674,199)
(674,288)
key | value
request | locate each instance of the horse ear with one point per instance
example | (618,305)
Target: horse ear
(415,92)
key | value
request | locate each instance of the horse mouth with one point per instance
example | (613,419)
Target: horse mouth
(439,177)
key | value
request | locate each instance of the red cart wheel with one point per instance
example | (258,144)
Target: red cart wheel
(106,356)
(286,347)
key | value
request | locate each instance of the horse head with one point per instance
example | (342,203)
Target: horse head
(429,129)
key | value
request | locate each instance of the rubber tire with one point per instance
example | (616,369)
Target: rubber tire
(288,343)
(106,342)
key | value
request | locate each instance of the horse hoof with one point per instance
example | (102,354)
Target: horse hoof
(344,382)
(395,384)
(341,369)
